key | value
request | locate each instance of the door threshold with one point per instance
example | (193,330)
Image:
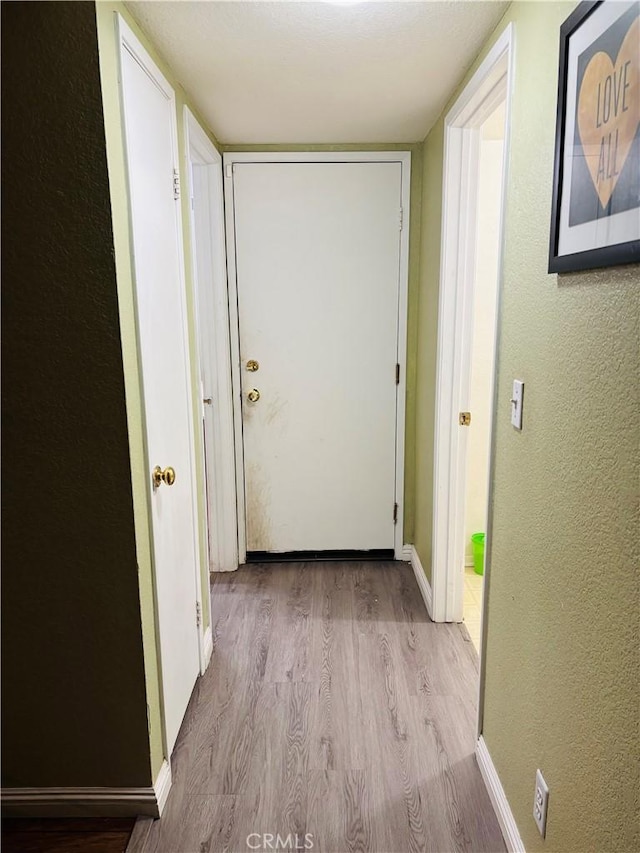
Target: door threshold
(306,556)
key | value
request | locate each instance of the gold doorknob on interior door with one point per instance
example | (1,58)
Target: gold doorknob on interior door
(252,365)
(253,396)
(159,476)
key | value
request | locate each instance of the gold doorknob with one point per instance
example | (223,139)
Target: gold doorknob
(253,396)
(252,365)
(159,476)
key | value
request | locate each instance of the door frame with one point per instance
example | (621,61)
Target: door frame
(127,41)
(212,342)
(404,158)
(491,83)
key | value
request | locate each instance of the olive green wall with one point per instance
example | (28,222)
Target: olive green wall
(106,12)
(412,311)
(74,707)
(426,322)
(561,656)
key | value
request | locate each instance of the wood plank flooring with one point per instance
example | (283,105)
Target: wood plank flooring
(333,712)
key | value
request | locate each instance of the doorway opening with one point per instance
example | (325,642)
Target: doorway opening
(475,168)
(482,366)
(209,264)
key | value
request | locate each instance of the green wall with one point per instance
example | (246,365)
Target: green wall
(106,12)
(74,706)
(561,656)
(426,322)
(412,311)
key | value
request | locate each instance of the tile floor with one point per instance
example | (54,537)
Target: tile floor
(472,604)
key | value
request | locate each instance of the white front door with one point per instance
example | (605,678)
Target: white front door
(318,257)
(150,130)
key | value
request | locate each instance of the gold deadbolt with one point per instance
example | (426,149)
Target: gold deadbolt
(253,396)
(159,476)
(465,418)
(252,365)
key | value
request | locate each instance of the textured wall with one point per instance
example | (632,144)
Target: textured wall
(427,342)
(74,710)
(414,283)
(562,635)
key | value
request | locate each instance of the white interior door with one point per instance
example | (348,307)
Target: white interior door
(317,266)
(209,261)
(150,129)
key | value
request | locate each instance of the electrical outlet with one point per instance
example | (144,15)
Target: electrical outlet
(540,802)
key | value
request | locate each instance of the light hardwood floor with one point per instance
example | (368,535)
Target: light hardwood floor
(332,707)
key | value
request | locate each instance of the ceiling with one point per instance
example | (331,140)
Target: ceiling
(323,72)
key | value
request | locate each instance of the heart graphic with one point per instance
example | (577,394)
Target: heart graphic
(609,112)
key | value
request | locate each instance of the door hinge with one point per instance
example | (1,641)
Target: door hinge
(395,513)
(176,184)
(198,614)
(401,218)
(229,170)
(464,418)
(397,374)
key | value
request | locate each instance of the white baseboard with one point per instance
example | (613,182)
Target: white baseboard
(406,553)
(207,650)
(88,802)
(498,799)
(423,583)
(162,786)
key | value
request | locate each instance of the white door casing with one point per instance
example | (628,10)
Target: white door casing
(320,270)
(149,119)
(490,85)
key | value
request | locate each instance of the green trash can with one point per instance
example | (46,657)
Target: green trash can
(477,546)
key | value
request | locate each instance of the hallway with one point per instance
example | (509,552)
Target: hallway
(332,707)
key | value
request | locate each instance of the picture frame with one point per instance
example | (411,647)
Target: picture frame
(595,214)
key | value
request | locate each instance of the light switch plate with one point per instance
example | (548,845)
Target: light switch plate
(517,397)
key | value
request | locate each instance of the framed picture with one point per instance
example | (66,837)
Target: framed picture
(595,217)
